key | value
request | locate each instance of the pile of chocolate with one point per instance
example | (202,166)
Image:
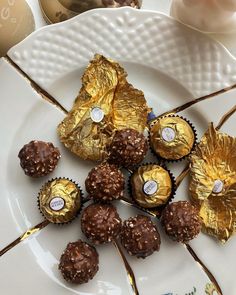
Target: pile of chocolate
(99,132)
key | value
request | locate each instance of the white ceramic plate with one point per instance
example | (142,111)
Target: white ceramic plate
(171,64)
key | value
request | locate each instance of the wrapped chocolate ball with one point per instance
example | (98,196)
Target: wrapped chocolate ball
(181,221)
(140,237)
(79,262)
(59,200)
(105,182)
(152,186)
(172,138)
(38,158)
(128,148)
(100,223)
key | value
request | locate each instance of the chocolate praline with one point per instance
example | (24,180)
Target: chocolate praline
(181,221)
(172,138)
(128,148)
(60,200)
(105,182)
(38,158)
(140,237)
(79,262)
(152,186)
(100,223)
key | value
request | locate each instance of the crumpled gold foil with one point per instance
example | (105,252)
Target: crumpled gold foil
(104,86)
(213,182)
(154,173)
(175,144)
(65,191)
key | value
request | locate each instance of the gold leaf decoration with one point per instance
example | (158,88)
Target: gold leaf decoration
(213,182)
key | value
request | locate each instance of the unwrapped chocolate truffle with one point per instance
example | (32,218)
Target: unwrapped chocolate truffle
(39,158)
(172,137)
(128,148)
(60,200)
(151,186)
(140,236)
(181,221)
(105,182)
(100,223)
(79,262)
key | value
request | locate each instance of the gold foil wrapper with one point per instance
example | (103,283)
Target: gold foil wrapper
(213,182)
(171,138)
(60,200)
(151,186)
(104,87)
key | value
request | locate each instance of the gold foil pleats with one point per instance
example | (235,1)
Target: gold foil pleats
(60,200)
(213,182)
(104,87)
(171,138)
(151,186)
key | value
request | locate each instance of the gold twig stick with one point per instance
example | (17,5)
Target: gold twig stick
(182,175)
(205,269)
(225,117)
(24,236)
(128,268)
(43,93)
(197,100)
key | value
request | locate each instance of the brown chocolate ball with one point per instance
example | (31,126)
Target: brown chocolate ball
(181,221)
(105,182)
(38,158)
(100,223)
(128,148)
(79,262)
(140,237)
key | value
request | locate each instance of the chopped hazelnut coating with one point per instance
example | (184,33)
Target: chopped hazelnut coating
(181,221)
(79,262)
(105,182)
(100,223)
(140,237)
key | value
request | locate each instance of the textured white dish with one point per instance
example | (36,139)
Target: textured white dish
(171,64)
(37,258)
(146,38)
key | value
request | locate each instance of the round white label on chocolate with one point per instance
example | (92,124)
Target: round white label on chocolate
(97,114)
(218,186)
(168,134)
(57,203)
(150,187)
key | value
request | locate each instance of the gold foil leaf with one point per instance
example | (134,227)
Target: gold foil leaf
(171,138)
(151,186)
(213,182)
(60,200)
(106,103)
